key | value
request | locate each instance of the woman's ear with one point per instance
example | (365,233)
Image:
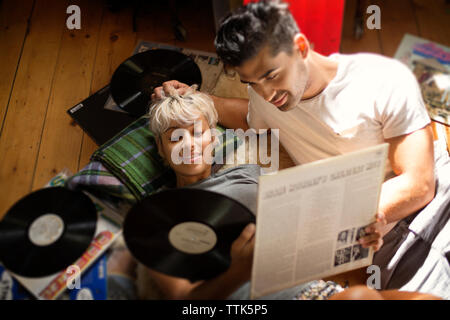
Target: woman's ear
(159,146)
(160,151)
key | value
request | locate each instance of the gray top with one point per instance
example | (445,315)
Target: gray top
(239,183)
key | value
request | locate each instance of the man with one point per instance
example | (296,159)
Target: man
(179,113)
(326,106)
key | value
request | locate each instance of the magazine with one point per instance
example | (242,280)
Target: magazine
(92,285)
(310,218)
(430,63)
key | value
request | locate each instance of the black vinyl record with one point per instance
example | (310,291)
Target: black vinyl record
(47,231)
(185,232)
(133,82)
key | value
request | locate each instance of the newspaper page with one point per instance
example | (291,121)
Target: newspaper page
(310,217)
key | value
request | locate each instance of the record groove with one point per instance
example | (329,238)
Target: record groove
(46,231)
(133,81)
(148,224)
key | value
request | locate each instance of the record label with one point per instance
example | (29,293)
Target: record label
(192,237)
(46,229)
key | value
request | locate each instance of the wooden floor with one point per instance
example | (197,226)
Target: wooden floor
(45,69)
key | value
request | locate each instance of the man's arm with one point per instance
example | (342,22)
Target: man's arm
(412,160)
(232,111)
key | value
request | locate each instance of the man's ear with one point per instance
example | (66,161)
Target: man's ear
(301,44)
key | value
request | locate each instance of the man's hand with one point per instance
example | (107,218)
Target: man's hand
(232,111)
(374,233)
(242,253)
(159,92)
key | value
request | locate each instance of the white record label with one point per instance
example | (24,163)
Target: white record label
(46,229)
(192,237)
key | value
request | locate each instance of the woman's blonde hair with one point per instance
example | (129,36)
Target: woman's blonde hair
(183,109)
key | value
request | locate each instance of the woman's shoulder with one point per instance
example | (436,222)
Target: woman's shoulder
(246,170)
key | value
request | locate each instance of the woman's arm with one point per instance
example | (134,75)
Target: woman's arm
(219,287)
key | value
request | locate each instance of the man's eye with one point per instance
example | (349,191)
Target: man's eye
(271,77)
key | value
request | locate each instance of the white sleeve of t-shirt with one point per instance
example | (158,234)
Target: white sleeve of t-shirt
(254,118)
(403,110)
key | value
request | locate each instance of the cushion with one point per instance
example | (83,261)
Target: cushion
(132,158)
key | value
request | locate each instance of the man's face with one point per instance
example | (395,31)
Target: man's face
(280,80)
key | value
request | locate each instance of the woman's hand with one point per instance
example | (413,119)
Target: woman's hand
(242,253)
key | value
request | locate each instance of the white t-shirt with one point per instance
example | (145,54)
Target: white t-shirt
(370,99)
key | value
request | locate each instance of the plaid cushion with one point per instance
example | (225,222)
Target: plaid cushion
(132,157)
(99,181)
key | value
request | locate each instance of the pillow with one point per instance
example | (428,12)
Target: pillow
(132,157)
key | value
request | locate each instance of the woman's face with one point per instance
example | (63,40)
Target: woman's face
(188,149)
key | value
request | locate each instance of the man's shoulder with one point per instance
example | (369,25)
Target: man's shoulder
(375,70)
(369,59)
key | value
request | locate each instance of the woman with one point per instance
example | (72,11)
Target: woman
(183,125)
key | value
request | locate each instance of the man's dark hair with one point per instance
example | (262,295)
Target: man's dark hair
(243,33)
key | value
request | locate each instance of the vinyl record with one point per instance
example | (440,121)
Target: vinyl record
(185,232)
(133,82)
(47,231)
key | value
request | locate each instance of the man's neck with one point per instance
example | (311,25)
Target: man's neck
(321,71)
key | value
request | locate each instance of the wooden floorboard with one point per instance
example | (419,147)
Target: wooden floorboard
(22,131)
(397,18)
(200,26)
(47,71)
(116,43)
(62,138)
(153,24)
(433,18)
(13,29)
(369,42)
